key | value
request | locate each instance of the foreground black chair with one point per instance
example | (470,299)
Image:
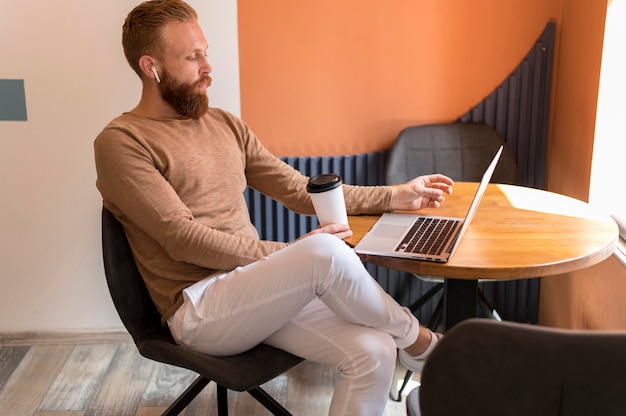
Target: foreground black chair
(461,151)
(242,372)
(484,367)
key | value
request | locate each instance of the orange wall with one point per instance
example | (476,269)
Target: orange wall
(329,77)
(576,97)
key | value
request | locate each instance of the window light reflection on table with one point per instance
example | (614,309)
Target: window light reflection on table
(548,202)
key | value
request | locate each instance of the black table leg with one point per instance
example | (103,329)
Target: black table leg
(459,301)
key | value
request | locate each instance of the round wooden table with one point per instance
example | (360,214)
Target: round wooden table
(517,233)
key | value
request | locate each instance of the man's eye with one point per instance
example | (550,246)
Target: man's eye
(197,56)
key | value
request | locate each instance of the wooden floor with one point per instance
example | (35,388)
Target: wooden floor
(105,375)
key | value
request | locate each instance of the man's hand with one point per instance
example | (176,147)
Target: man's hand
(422,192)
(340,231)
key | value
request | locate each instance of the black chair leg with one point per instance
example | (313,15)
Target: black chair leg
(188,395)
(268,402)
(488,309)
(425,297)
(407,378)
(222,401)
(435,319)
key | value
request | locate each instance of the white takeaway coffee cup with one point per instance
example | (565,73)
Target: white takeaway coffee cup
(327,196)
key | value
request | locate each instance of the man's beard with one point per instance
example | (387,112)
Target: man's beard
(183,97)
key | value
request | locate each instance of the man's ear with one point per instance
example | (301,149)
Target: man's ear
(149,67)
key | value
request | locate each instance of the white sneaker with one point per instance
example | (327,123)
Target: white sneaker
(416,363)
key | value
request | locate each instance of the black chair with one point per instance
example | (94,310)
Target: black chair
(242,372)
(461,151)
(484,367)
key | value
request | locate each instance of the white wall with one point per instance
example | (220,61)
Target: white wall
(609,144)
(76,79)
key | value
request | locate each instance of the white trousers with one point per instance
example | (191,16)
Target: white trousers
(314,299)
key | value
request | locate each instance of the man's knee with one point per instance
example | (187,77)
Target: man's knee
(324,241)
(376,354)
(320,247)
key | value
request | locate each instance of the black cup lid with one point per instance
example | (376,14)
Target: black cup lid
(324,182)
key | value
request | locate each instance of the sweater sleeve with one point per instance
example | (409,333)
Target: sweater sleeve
(278,180)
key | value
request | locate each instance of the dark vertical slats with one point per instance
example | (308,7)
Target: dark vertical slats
(275,222)
(519,110)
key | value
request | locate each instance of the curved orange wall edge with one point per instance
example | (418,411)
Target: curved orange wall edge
(334,78)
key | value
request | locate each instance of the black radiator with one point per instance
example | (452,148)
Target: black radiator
(519,109)
(275,222)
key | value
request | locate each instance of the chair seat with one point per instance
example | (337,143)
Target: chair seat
(240,372)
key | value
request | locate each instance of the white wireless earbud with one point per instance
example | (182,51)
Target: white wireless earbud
(156,75)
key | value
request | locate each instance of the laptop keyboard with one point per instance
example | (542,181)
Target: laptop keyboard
(428,236)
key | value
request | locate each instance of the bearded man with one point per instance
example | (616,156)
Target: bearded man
(173,171)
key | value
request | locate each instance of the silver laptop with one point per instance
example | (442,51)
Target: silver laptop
(422,237)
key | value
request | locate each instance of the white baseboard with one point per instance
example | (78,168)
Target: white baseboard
(87,336)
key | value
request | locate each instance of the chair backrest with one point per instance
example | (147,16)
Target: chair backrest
(128,291)
(484,367)
(461,151)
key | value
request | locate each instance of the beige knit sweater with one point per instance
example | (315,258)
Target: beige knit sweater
(177,187)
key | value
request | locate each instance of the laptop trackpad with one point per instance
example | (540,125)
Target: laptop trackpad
(388,231)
